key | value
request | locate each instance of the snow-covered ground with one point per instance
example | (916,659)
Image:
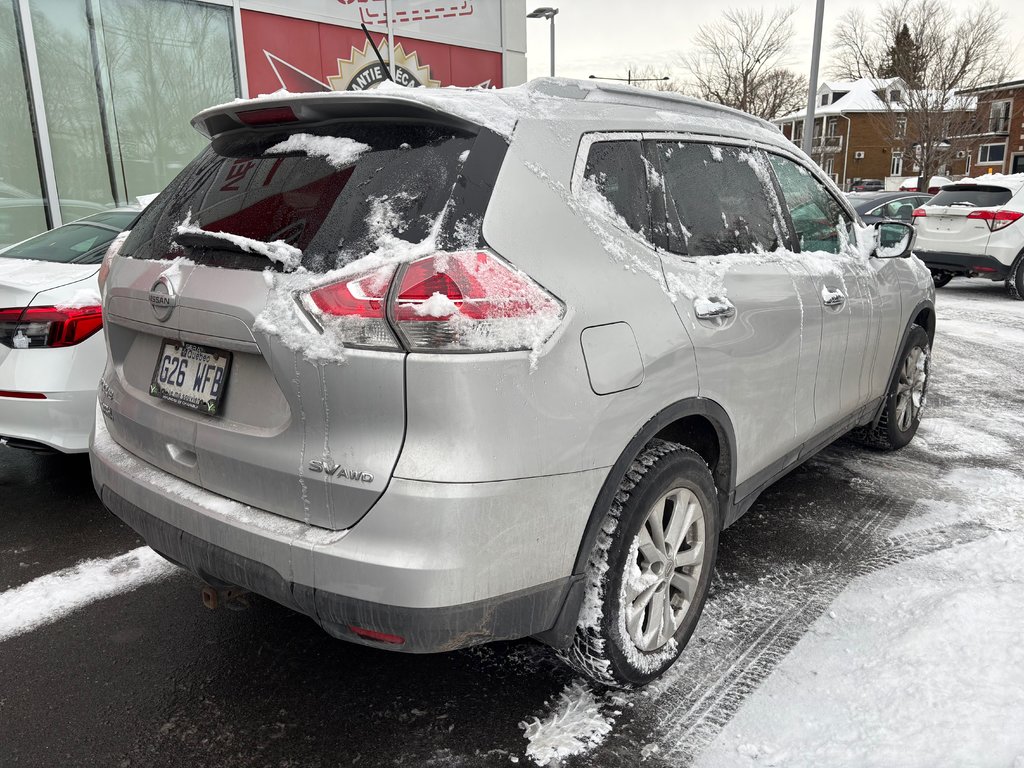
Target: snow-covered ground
(897,637)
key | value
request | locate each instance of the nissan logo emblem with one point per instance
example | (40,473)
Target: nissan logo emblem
(162,298)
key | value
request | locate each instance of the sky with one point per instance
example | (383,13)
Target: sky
(603,37)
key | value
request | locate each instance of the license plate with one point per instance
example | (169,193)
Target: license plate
(191,375)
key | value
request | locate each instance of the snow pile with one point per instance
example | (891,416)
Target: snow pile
(277,250)
(338,151)
(575,724)
(88,296)
(438,305)
(920,664)
(54,596)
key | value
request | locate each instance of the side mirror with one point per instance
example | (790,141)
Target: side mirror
(893,239)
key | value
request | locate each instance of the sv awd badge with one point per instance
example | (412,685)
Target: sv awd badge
(336,471)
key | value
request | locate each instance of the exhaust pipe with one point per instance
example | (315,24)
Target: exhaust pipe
(229,597)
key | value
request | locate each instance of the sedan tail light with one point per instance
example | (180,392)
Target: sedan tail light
(32,327)
(919,213)
(456,302)
(996,220)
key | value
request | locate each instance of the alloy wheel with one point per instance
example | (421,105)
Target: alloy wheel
(661,582)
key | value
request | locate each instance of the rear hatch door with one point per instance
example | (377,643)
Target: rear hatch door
(948,226)
(279,424)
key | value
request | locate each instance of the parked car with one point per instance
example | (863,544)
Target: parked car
(21,217)
(873,207)
(51,344)
(867,185)
(969,230)
(935,183)
(546,342)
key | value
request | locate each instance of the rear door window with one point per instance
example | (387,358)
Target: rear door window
(617,170)
(818,218)
(336,193)
(972,196)
(715,201)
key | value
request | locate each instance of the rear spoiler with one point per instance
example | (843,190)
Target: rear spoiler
(292,108)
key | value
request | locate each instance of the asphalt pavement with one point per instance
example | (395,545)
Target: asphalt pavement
(152,678)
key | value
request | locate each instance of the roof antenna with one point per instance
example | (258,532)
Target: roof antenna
(380,58)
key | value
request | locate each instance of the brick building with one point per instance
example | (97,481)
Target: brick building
(998,144)
(851,133)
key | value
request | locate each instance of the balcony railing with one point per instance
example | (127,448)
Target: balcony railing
(827,144)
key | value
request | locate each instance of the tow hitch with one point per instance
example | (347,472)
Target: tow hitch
(233,598)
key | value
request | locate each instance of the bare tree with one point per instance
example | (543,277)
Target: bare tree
(738,61)
(952,48)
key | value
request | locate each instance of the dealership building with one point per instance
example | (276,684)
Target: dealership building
(97,94)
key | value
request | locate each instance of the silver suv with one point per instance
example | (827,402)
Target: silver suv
(437,368)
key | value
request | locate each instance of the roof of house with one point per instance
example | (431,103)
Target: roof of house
(1007,85)
(859,97)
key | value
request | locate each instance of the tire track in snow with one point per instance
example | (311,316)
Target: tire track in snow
(700,697)
(48,598)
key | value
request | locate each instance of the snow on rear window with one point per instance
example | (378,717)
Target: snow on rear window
(339,151)
(314,192)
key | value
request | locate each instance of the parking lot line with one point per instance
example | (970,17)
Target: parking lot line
(52,597)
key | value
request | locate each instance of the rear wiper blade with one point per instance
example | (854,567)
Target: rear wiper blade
(197,238)
(189,234)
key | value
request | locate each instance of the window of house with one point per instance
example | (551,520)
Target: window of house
(824,100)
(901,126)
(817,216)
(617,169)
(896,165)
(999,117)
(895,96)
(715,202)
(991,153)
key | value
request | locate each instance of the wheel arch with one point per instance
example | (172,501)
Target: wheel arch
(698,423)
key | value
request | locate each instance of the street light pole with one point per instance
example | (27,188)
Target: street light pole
(546,12)
(812,86)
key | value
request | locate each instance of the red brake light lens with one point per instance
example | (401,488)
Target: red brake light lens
(996,220)
(918,213)
(34,327)
(355,308)
(472,301)
(267,116)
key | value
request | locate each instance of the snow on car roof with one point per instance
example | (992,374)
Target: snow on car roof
(499,109)
(1014,181)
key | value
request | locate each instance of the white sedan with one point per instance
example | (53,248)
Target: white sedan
(51,341)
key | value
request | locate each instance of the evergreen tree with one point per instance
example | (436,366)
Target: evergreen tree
(903,59)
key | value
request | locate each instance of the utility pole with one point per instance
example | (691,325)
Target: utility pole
(812,86)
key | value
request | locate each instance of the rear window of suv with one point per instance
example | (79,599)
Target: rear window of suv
(332,192)
(972,196)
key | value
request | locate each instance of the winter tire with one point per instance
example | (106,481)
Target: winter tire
(1015,280)
(941,278)
(906,398)
(649,573)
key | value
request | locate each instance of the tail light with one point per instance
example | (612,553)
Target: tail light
(456,302)
(112,250)
(32,327)
(355,308)
(996,220)
(918,213)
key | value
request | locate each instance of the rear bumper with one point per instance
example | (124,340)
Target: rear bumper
(61,422)
(443,566)
(964,263)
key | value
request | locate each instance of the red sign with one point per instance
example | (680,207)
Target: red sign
(300,55)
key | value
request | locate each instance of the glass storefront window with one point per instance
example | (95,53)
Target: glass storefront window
(166,60)
(121,79)
(22,206)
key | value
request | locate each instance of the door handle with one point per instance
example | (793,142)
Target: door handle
(832,297)
(713,308)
